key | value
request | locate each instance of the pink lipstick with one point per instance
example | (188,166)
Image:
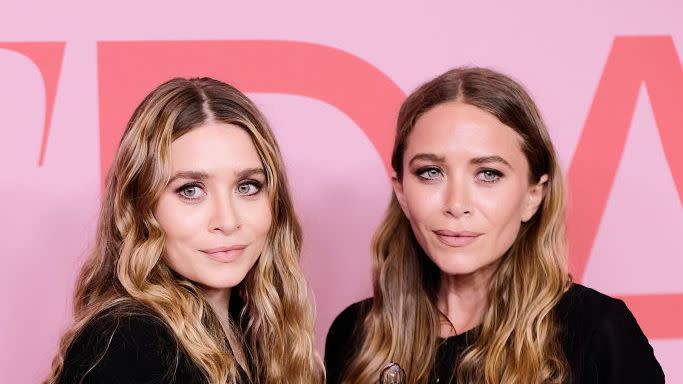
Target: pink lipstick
(456,238)
(225,254)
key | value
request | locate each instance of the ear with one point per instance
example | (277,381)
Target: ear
(398,191)
(535,196)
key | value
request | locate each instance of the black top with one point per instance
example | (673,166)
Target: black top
(600,338)
(133,348)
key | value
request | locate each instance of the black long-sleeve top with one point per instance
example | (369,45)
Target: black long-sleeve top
(600,338)
(135,348)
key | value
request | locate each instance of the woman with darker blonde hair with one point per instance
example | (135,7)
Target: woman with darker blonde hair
(194,277)
(470,272)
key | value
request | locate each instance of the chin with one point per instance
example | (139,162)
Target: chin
(223,280)
(457,264)
(457,269)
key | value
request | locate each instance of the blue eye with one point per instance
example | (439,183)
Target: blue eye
(249,188)
(191,192)
(429,173)
(489,175)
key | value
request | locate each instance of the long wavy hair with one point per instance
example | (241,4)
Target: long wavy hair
(517,341)
(271,340)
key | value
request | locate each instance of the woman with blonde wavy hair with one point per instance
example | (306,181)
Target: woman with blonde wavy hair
(470,272)
(194,277)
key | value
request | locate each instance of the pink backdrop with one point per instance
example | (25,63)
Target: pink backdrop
(607,77)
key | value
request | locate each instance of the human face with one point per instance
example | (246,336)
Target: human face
(215,211)
(465,187)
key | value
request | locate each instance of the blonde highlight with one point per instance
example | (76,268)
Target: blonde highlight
(126,271)
(517,341)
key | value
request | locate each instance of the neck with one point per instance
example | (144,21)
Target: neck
(464,300)
(219,300)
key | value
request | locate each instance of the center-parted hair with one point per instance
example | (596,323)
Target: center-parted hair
(270,341)
(517,342)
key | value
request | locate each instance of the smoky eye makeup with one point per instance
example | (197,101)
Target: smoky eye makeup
(251,181)
(428,172)
(191,191)
(489,175)
(249,187)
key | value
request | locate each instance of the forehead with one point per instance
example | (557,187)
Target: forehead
(459,128)
(214,147)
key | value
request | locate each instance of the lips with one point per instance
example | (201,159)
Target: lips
(456,238)
(225,254)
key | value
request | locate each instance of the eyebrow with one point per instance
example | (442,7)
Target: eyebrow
(427,157)
(475,161)
(490,159)
(194,175)
(198,175)
(250,172)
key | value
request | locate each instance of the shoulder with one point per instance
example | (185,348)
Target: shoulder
(140,325)
(138,329)
(346,326)
(581,305)
(579,297)
(347,320)
(343,338)
(122,346)
(588,312)
(603,341)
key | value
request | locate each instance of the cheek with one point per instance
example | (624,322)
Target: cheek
(178,220)
(502,203)
(422,201)
(503,211)
(256,216)
(498,210)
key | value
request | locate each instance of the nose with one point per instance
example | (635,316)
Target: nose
(456,201)
(224,216)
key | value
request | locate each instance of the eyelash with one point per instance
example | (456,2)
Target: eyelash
(187,186)
(255,183)
(496,174)
(421,171)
